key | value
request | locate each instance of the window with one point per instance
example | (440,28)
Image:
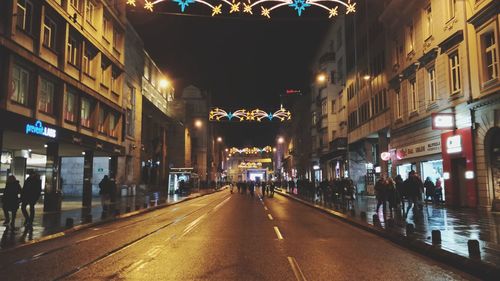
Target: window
(454,61)
(339,38)
(117,37)
(101,128)
(112,125)
(115,82)
(490,58)
(105,74)
(399,111)
(334,107)
(413,95)
(85,112)
(72,52)
(428,22)
(431,75)
(75,4)
(396,51)
(70,106)
(90,12)
(411,37)
(49,33)
(324,110)
(24,15)
(130,112)
(364,112)
(46,101)
(106,27)
(88,61)
(353,120)
(450,8)
(314,118)
(20,84)
(332,76)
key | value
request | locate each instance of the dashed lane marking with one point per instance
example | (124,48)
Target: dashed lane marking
(265,208)
(278,233)
(296,269)
(270,217)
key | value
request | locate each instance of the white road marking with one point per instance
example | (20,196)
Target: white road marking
(278,233)
(265,208)
(270,217)
(296,269)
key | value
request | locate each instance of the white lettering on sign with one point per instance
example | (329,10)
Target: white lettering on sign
(39,129)
(420,149)
(444,121)
(454,144)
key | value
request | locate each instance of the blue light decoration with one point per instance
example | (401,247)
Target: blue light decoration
(40,130)
(331,6)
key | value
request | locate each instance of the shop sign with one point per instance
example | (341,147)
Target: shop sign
(454,144)
(6,158)
(386,156)
(39,129)
(443,121)
(417,150)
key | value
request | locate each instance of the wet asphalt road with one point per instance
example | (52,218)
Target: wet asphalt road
(222,236)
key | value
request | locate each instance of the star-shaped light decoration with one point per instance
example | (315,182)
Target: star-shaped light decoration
(333,12)
(131,2)
(299,6)
(351,7)
(235,7)
(148,5)
(217,10)
(184,3)
(265,12)
(247,8)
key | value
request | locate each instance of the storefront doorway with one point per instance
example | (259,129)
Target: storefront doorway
(404,169)
(458,167)
(434,170)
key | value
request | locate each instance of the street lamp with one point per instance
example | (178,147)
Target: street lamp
(219,139)
(164,83)
(366,77)
(281,140)
(198,123)
(321,78)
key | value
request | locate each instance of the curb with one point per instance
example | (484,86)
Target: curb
(476,267)
(101,222)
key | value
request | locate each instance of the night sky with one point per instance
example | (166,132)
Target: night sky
(246,62)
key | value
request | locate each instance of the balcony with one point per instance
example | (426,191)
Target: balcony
(327,57)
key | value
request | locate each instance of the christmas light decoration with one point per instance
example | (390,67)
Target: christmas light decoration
(258,115)
(250,165)
(250,150)
(331,6)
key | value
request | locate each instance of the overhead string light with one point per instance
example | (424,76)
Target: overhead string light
(266,6)
(250,150)
(241,115)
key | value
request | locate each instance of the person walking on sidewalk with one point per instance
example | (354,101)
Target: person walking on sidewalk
(104,190)
(414,188)
(29,196)
(400,191)
(429,189)
(381,193)
(438,192)
(392,196)
(10,200)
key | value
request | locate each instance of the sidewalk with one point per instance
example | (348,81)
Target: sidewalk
(457,226)
(48,223)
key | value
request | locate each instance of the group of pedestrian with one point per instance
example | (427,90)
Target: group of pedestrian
(267,188)
(27,196)
(107,191)
(433,191)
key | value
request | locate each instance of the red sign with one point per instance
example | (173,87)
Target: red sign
(292,92)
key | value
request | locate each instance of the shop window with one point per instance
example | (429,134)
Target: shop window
(455,79)
(46,101)
(101,127)
(21,78)
(490,56)
(24,15)
(49,33)
(70,106)
(85,112)
(112,122)
(431,76)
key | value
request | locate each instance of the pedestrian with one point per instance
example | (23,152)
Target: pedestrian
(104,191)
(414,188)
(381,193)
(429,189)
(400,191)
(10,200)
(29,196)
(438,191)
(271,187)
(238,185)
(251,188)
(391,194)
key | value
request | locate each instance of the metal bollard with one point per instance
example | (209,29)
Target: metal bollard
(436,237)
(88,218)
(390,222)
(353,212)
(137,207)
(145,205)
(69,222)
(117,212)
(375,218)
(363,215)
(127,209)
(410,229)
(474,251)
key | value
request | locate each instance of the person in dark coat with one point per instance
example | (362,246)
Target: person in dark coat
(29,196)
(429,189)
(10,200)
(400,191)
(381,193)
(104,190)
(414,188)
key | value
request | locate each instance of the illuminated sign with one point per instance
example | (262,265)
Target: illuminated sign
(469,175)
(6,158)
(292,92)
(39,129)
(385,156)
(454,144)
(446,175)
(443,121)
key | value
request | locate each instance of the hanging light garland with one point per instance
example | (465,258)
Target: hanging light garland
(266,6)
(250,150)
(241,115)
(250,165)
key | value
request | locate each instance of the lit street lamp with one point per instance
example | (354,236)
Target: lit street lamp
(198,124)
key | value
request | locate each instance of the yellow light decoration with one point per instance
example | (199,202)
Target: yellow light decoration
(249,150)
(258,115)
(267,6)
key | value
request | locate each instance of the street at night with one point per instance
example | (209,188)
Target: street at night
(223,236)
(250,140)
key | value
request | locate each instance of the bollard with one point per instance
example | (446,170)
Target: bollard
(127,210)
(353,212)
(474,251)
(363,215)
(145,205)
(137,207)
(88,218)
(117,212)
(436,237)
(375,218)
(410,228)
(69,223)
(390,222)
